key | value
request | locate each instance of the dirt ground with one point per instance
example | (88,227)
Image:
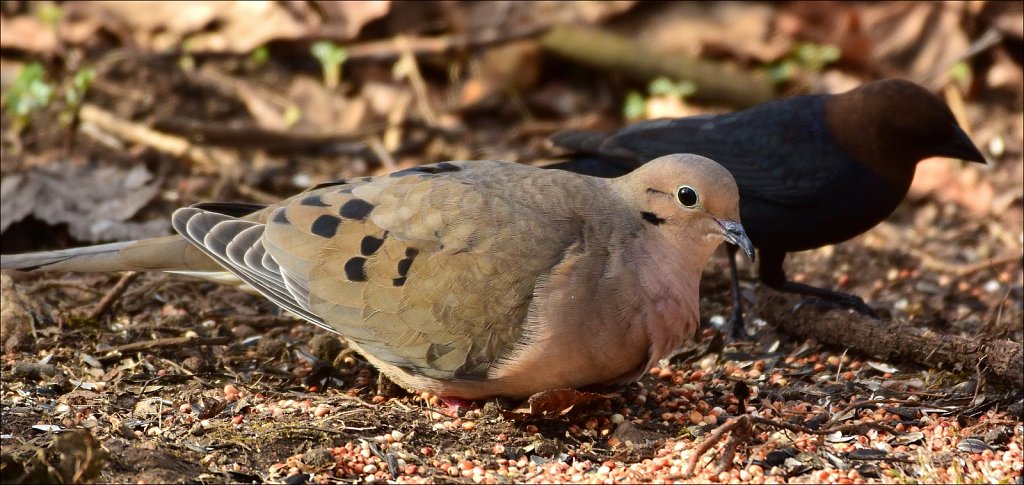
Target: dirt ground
(180,380)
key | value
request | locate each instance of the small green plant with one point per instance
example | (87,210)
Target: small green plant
(635,104)
(664,86)
(260,56)
(816,56)
(292,115)
(960,73)
(806,56)
(187,62)
(30,92)
(74,94)
(49,14)
(331,57)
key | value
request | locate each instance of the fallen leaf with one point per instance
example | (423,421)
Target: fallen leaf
(558,402)
(95,202)
(234,26)
(27,34)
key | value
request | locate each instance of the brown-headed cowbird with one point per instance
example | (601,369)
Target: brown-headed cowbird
(812,170)
(470,279)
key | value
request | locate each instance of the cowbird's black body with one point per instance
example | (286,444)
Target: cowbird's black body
(812,170)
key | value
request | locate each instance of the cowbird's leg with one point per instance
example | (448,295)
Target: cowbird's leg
(773,275)
(736,328)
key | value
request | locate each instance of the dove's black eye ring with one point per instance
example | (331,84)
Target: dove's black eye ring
(687,196)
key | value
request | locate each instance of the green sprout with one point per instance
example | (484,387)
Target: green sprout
(49,14)
(960,73)
(331,57)
(816,56)
(260,56)
(187,62)
(75,93)
(29,93)
(663,86)
(292,115)
(804,56)
(635,104)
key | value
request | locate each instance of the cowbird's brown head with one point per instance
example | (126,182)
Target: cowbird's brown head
(690,199)
(892,124)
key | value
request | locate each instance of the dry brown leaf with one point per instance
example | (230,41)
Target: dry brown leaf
(27,34)
(233,26)
(739,29)
(324,111)
(916,40)
(947,180)
(511,67)
(95,202)
(344,20)
(558,402)
(828,23)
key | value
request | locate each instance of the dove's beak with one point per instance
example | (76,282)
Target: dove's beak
(735,234)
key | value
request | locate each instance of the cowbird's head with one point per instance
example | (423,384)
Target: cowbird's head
(690,199)
(892,124)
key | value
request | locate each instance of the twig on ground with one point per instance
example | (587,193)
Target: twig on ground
(741,428)
(112,295)
(716,82)
(205,158)
(170,342)
(742,422)
(1000,360)
(389,49)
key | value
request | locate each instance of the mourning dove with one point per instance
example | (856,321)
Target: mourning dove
(469,279)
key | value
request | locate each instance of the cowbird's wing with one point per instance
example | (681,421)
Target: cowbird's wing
(778,152)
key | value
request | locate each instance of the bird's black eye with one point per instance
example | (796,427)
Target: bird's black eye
(687,196)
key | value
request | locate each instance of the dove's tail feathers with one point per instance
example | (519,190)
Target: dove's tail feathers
(171,253)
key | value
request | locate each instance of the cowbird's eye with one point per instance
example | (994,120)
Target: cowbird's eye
(687,196)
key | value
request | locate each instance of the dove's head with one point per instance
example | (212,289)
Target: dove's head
(692,199)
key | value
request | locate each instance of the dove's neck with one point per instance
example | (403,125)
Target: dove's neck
(670,279)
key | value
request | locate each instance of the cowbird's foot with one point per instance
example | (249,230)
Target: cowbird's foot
(828,300)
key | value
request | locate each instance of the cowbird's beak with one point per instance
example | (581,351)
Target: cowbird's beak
(735,234)
(961,147)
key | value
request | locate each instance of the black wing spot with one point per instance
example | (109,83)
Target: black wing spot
(427,169)
(403,266)
(331,183)
(313,201)
(398,281)
(652,218)
(280,217)
(355,269)
(411,252)
(325,226)
(233,209)
(447,167)
(370,245)
(358,209)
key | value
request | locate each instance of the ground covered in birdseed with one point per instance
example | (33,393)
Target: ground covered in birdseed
(115,115)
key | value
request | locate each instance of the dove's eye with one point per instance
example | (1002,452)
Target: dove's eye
(687,196)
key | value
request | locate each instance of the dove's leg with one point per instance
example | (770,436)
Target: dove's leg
(772,274)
